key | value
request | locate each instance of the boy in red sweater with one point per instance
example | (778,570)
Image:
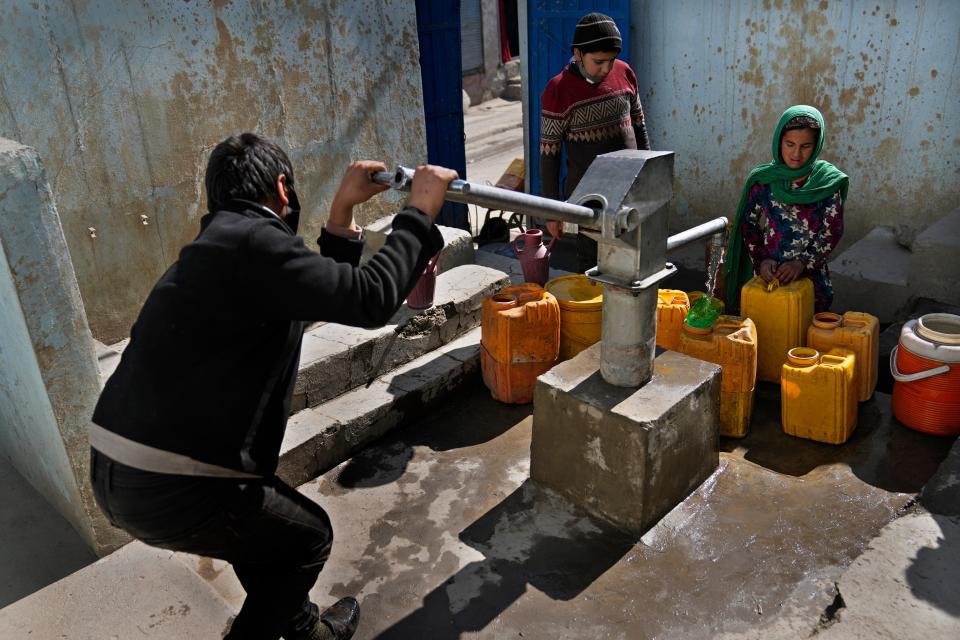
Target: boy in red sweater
(592,108)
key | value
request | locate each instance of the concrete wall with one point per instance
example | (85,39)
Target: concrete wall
(49,381)
(125,100)
(715,77)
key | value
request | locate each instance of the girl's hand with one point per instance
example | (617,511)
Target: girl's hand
(789,271)
(768,269)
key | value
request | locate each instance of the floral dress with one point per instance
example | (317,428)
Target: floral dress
(805,232)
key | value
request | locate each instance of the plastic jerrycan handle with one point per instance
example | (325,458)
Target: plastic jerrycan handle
(828,359)
(912,377)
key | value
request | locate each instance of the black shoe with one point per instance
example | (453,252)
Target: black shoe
(342,618)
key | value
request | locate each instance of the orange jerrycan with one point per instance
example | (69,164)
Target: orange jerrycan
(818,395)
(672,308)
(782,315)
(858,332)
(519,340)
(732,344)
(926,368)
(581,312)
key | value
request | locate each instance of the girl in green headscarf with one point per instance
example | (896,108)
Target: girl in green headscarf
(790,215)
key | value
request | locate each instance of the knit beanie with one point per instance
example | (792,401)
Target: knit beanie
(596,32)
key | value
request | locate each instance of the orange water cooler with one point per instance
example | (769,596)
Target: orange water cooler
(926,370)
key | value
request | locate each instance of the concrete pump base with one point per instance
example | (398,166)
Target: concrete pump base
(628,456)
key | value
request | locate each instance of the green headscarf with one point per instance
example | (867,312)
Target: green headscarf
(824,180)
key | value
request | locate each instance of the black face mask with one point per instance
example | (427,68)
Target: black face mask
(292,218)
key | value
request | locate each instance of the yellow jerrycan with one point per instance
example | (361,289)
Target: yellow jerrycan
(581,312)
(519,340)
(818,397)
(782,315)
(732,344)
(858,332)
(672,308)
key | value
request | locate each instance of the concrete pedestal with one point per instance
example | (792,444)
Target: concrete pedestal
(626,455)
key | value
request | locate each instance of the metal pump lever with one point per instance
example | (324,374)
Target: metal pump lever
(497,198)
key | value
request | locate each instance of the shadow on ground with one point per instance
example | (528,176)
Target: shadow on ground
(881,452)
(532,538)
(386,460)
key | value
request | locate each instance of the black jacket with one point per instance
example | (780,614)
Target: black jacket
(213,356)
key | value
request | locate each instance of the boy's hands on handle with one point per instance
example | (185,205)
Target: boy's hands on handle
(356,186)
(429,188)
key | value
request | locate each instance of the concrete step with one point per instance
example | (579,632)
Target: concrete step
(488,257)
(935,260)
(879,275)
(322,437)
(336,358)
(137,591)
(873,276)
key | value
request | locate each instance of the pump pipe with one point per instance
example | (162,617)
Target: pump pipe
(507,200)
(497,198)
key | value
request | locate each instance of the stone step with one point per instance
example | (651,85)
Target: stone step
(872,276)
(880,275)
(137,591)
(336,358)
(322,437)
(935,260)
(488,257)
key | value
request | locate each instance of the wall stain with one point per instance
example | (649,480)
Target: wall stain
(201,74)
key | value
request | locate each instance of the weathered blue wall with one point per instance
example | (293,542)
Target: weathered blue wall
(124,101)
(49,381)
(715,77)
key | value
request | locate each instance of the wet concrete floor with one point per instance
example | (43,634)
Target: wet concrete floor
(441,534)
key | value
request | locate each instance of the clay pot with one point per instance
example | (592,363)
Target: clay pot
(534,256)
(422,295)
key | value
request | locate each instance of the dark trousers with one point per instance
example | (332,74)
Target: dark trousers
(276,539)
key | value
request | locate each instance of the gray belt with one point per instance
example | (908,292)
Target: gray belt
(147,458)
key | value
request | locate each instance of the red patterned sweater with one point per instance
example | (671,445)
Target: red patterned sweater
(590,119)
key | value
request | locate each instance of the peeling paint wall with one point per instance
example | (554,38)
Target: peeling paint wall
(125,100)
(715,77)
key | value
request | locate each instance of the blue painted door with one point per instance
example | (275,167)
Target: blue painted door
(550,25)
(438,30)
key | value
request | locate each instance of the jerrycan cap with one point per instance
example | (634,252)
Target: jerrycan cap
(827,320)
(803,356)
